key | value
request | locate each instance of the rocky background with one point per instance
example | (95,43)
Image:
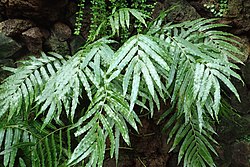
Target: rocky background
(30,26)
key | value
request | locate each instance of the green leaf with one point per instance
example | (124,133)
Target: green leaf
(7,145)
(183,130)
(47,147)
(151,68)
(198,75)
(117,144)
(108,127)
(184,146)
(120,124)
(227,82)
(50,114)
(122,18)
(100,147)
(135,85)
(85,147)
(127,18)
(122,52)
(22,163)
(217,97)
(138,15)
(147,78)
(128,74)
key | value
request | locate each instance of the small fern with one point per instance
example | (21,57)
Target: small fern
(113,13)
(69,111)
(119,19)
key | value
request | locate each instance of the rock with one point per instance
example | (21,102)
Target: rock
(246,9)
(71,8)
(233,137)
(238,13)
(245,48)
(1,12)
(62,31)
(58,40)
(55,45)
(13,27)
(183,11)
(235,128)
(33,39)
(8,46)
(243,106)
(241,26)
(235,8)
(76,43)
(43,11)
(45,32)
(241,154)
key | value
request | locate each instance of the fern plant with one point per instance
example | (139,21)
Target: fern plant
(67,111)
(109,9)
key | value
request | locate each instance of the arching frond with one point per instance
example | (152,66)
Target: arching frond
(65,87)
(18,91)
(141,56)
(107,116)
(201,65)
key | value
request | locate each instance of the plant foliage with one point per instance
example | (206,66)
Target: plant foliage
(64,111)
(117,12)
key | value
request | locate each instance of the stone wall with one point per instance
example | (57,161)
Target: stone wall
(30,26)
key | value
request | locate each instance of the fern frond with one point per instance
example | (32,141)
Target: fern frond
(13,138)
(188,62)
(194,144)
(107,111)
(65,87)
(141,55)
(18,92)
(49,149)
(120,19)
(200,66)
(10,137)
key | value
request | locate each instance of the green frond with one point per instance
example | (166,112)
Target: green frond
(120,19)
(200,66)
(40,148)
(194,144)
(49,146)
(61,85)
(141,55)
(19,91)
(65,87)
(105,114)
